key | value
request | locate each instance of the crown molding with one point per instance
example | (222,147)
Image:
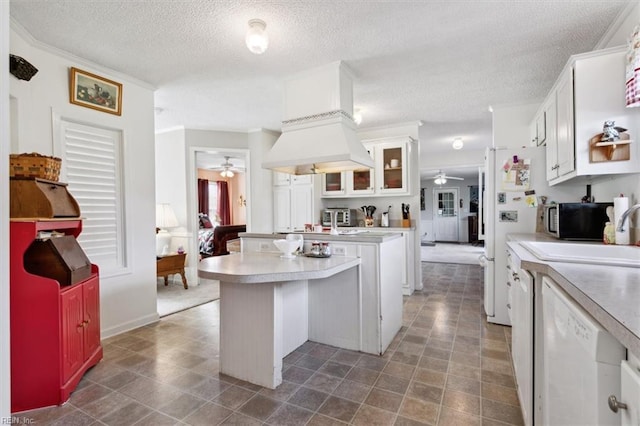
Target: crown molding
(35,43)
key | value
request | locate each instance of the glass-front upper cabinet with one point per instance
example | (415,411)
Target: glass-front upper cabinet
(362,181)
(333,183)
(392,162)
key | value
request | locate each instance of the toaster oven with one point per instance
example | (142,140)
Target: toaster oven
(344,217)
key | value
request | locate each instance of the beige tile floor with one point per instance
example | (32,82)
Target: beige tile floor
(447,366)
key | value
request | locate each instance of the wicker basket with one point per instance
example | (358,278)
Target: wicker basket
(34,165)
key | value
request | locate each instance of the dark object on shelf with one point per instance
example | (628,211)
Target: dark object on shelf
(20,68)
(58,258)
(40,198)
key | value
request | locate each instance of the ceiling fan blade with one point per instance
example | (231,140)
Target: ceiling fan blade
(453,177)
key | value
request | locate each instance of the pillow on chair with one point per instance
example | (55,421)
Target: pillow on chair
(205,222)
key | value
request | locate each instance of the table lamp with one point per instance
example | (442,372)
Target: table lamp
(165,218)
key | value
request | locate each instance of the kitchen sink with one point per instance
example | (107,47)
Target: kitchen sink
(598,254)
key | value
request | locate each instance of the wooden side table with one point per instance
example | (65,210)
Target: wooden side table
(171,264)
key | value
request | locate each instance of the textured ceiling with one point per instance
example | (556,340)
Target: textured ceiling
(440,62)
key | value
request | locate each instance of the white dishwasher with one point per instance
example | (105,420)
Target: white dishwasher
(581,363)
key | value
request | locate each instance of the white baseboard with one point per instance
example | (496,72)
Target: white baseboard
(129,325)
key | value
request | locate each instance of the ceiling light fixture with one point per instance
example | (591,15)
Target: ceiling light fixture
(257,39)
(357,116)
(226,173)
(440,180)
(457,143)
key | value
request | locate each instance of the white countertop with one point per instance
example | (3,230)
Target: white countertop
(611,294)
(264,267)
(378,236)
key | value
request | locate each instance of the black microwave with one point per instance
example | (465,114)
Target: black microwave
(576,221)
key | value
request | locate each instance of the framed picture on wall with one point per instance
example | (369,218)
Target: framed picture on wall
(95,92)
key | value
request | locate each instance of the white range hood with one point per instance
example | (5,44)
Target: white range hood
(318,132)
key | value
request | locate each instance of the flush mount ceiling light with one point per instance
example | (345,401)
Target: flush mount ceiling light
(257,39)
(357,116)
(457,143)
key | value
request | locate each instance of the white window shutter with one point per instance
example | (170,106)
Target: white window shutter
(92,169)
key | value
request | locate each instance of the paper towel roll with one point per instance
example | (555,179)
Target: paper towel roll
(620,205)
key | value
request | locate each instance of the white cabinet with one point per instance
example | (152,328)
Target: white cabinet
(362,182)
(388,177)
(284,179)
(630,392)
(391,168)
(521,310)
(539,128)
(557,113)
(564,125)
(589,91)
(334,184)
(292,202)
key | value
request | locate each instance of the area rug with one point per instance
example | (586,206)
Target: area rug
(175,298)
(465,254)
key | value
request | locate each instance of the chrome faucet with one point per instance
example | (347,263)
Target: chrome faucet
(624,216)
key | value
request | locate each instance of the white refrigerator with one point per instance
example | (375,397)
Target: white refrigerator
(506,208)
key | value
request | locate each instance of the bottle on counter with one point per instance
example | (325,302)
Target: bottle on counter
(325,249)
(315,248)
(609,234)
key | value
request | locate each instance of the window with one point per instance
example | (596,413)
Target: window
(446,204)
(93,172)
(213,203)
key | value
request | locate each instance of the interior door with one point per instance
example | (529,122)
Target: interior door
(445,205)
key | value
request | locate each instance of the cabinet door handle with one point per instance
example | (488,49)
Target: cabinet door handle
(614,404)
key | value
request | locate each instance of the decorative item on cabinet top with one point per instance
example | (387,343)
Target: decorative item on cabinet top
(40,199)
(613,144)
(34,165)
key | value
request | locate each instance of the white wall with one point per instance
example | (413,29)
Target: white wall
(462,158)
(260,199)
(510,120)
(128,300)
(5,380)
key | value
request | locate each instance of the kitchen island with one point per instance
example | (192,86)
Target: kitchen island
(382,273)
(271,305)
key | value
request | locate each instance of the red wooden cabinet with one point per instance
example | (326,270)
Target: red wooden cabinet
(55,329)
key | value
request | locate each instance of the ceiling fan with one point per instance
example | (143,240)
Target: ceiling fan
(227,168)
(441,178)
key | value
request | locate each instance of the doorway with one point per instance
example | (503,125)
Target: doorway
(445,214)
(206,163)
